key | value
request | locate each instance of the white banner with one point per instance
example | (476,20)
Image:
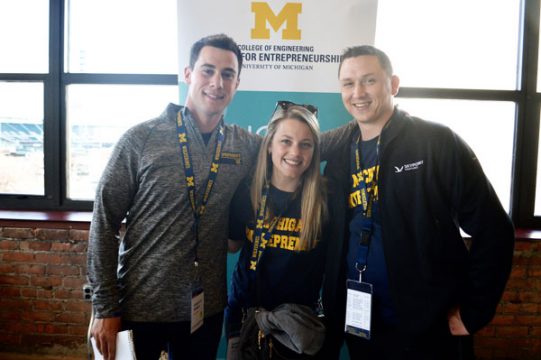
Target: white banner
(287,46)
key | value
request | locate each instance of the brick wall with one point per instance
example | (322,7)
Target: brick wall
(515,332)
(42,310)
(42,271)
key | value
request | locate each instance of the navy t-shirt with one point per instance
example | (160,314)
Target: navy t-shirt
(285,273)
(376,268)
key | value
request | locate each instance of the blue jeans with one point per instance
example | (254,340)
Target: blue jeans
(151,338)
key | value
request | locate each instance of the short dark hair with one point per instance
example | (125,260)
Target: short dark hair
(355,51)
(220,41)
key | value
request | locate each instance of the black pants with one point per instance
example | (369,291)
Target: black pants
(151,338)
(388,343)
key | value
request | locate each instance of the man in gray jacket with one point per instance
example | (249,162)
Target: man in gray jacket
(171,178)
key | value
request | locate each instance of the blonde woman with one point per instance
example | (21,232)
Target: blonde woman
(281,216)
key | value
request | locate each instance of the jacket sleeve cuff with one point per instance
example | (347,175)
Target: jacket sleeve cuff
(233,322)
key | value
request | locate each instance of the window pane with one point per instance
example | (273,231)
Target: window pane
(537,209)
(472,120)
(122,36)
(97,115)
(539,68)
(24,36)
(21,138)
(451,43)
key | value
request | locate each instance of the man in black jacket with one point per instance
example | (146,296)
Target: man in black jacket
(405,187)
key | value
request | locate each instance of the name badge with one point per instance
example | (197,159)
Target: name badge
(358,308)
(198,307)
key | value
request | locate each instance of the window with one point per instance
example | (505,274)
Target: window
(88,70)
(536,143)
(469,118)
(21,99)
(471,72)
(65,102)
(26,49)
(96,116)
(451,44)
(21,138)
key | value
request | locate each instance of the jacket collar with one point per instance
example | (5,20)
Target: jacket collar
(395,126)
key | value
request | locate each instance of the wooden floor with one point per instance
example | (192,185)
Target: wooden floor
(13,356)
(16,356)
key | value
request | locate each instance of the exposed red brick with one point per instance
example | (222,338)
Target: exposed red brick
(79,330)
(70,318)
(74,247)
(38,316)
(74,282)
(517,272)
(535,331)
(528,320)
(527,308)
(487,331)
(13,304)
(79,235)
(10,315)
(10,292)
(44,294)
(50,340)
(64,270)
(9,338)
(14,280)
(49,305)
(68,294)
(21,327)
(512,331)
(9,244)
(7,268)
(534,271)
(535,259)
(503,320)
(56,329)
(39,245)
(518,284)
(522,260)
(51,258)
(29,292)
(46,282)
(17,256)
(511,296)
(530,296)
(83,306)
(523,245)
(30,269)
(17,233)
(52,234)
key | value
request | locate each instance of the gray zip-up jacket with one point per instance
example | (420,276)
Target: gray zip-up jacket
(147,274)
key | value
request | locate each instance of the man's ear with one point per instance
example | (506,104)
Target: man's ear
(395,85)
(187,75)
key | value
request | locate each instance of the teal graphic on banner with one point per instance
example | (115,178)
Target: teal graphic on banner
(253,109)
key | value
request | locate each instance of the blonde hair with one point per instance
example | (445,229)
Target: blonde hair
(313,208)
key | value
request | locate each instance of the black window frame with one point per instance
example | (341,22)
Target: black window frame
(526,97)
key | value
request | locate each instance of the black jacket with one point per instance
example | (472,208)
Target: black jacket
(430,185)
